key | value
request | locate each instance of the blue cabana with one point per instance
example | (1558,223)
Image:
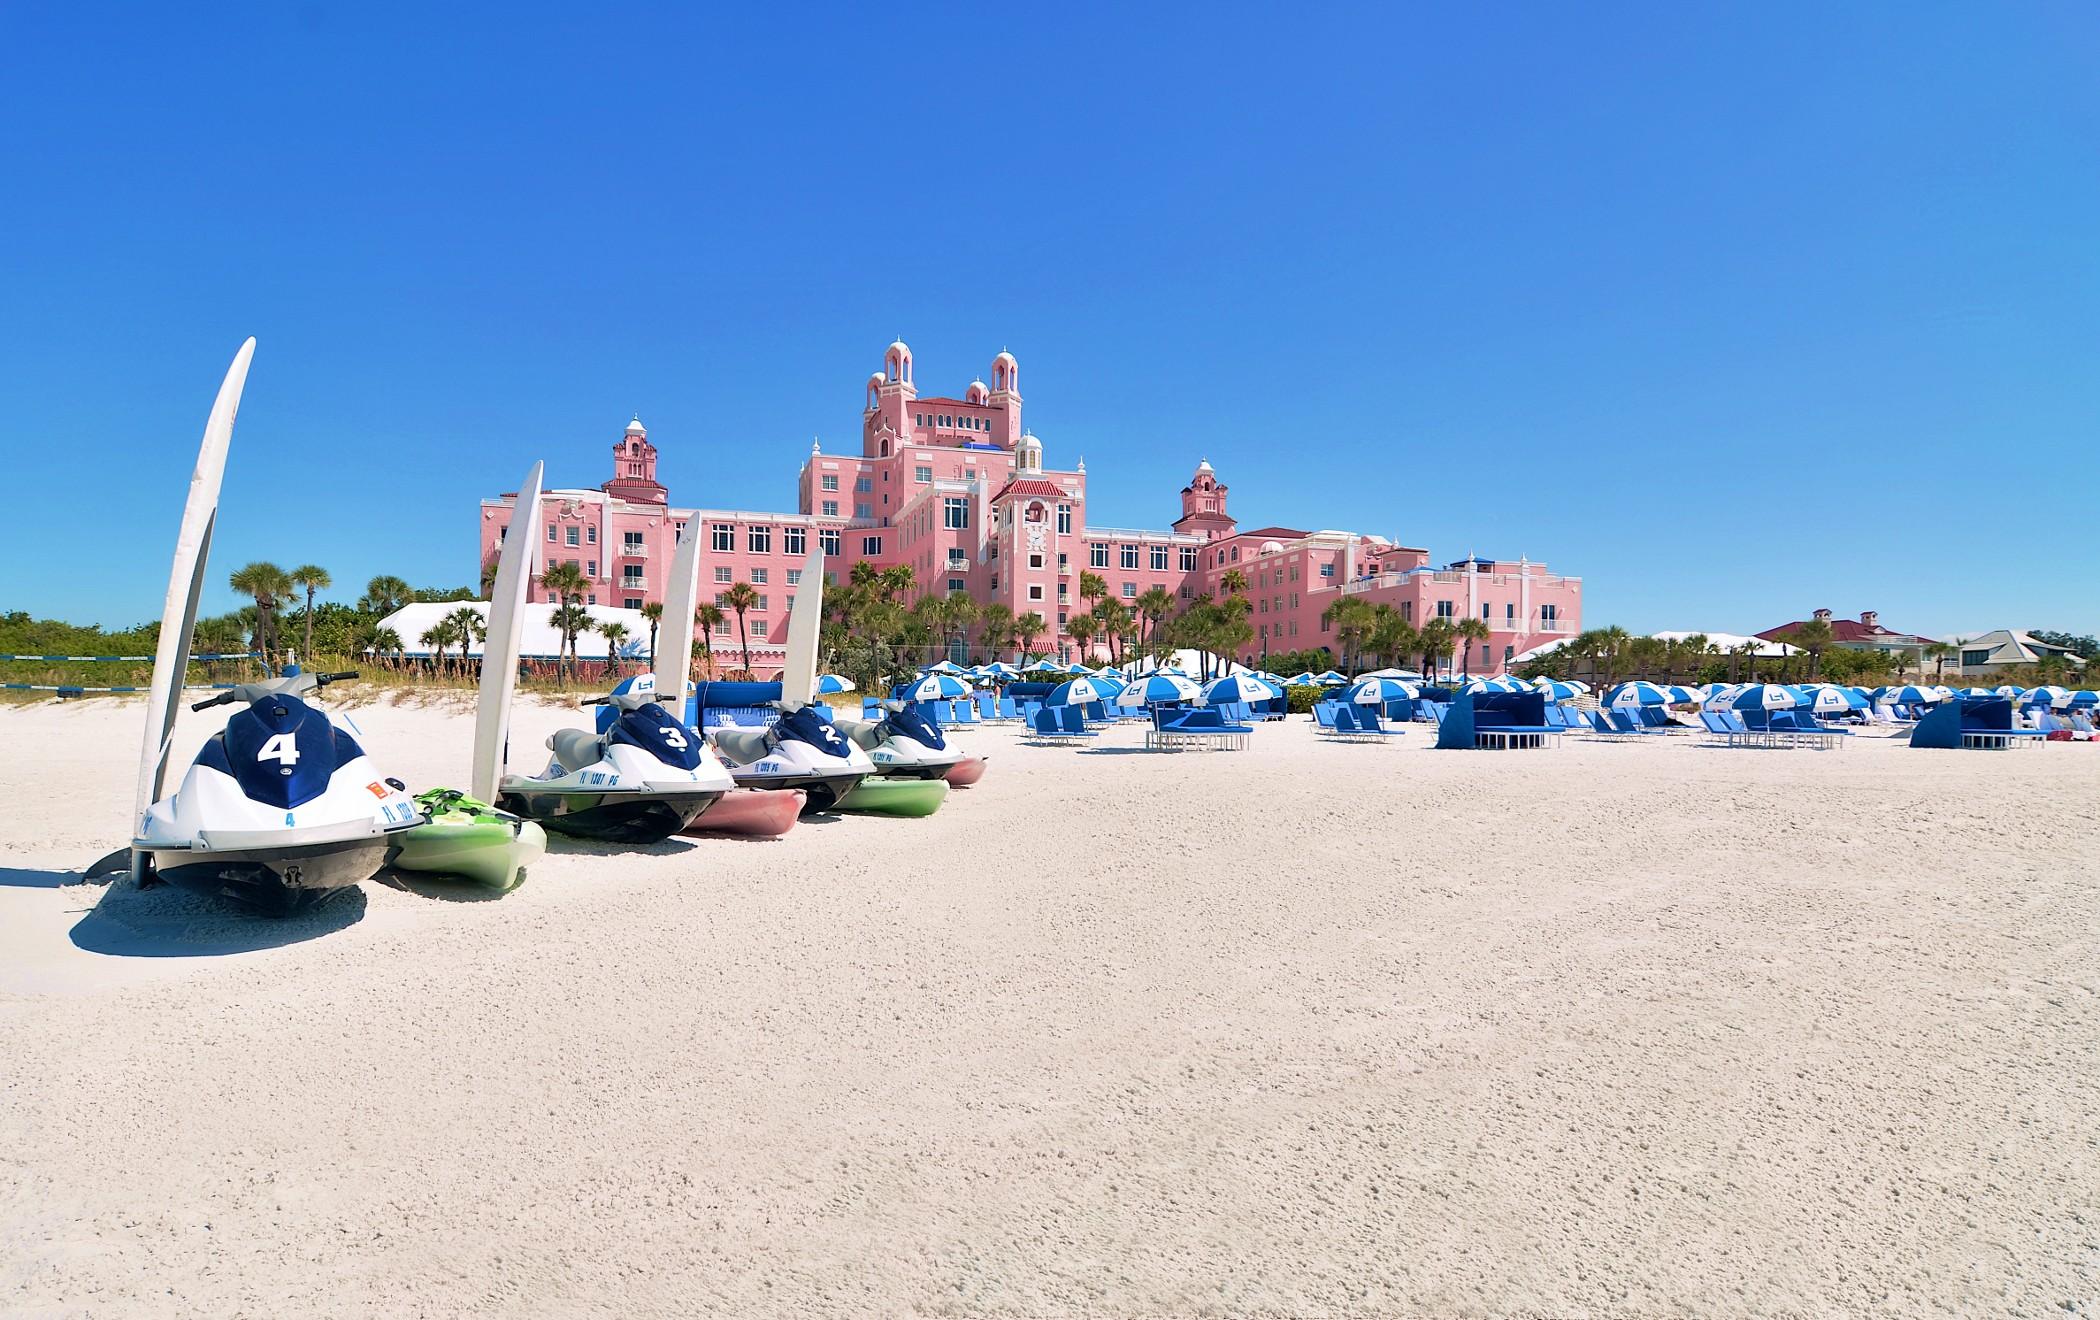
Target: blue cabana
(1971,722)
(1485,719)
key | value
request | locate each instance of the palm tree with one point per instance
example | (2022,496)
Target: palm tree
(1114,619)
(572,621)
(742,596)
(1392,636)
(614,632)
(309,578)
(468,626)
(1153,605)
(1352,619)
(263,582)
(1234,582)
(1080,628)
(1092,587)
(1939,653)
(437,637)
(568,584)
(1435,638)
(995,628)
(1469,631)
(653,611)
(385,594)
(1901,662)
(1814,637)
(1027,628)
(707,618)
(385,643)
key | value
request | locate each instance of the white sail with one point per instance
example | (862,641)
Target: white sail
(798,681)
(178,614)
(499,654)
(674,635)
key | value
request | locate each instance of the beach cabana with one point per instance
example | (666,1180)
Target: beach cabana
(1496,720)
(1973,723)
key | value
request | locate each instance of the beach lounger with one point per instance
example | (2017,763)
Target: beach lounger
(1199,726)
(1055,724)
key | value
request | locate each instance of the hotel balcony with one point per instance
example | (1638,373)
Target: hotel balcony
(634,550)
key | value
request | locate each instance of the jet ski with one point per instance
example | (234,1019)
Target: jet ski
(641,781)
(801,750)
(904,744)
(280,811)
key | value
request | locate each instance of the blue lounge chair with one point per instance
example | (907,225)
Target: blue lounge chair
(1053,724)
(1623,721)
(1323,716)
(1199,726)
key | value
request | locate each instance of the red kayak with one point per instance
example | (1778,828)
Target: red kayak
(963,773)
(751,813)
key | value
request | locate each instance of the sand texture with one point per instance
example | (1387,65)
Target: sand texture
(1319,1030)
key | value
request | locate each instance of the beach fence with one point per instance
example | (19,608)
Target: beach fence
(67,690)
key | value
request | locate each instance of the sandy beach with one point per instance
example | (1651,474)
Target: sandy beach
(1606,1030)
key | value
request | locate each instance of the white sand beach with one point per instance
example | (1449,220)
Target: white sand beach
(1605,1030)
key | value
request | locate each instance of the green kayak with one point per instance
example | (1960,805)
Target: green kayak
(472,840)
(887,795)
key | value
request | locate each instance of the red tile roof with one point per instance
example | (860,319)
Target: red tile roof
(1031,486)
(1848,630)
(1275,533)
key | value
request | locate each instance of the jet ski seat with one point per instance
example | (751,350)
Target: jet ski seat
(576,748)
(864,734)
(743,746)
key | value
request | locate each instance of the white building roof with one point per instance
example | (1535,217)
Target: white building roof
(538,640)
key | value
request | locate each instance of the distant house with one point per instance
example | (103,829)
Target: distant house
(2002,648)
(1862,634)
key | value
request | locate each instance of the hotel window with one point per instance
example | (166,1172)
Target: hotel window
(762,606)
(590,535)
(1188,559)
(633,602)
(1185,593)
(828,541)
(1969,659)
(1487,612)
(590,568)
(1129,556)
(759,540)
(1064,592)
(1263,604)
(1509,613)
(861,485)
(1550,615)
(630,542)
(794,578)
(552,535)
(1130,591)
(723,625)
(1444,610)
(572,535)
(1327,570)
(922,475)
(722,537)
(1407,610)
(1235,554)
(830,509)
(590,600)
(550,565)
(830,481)
(1035,560)
(1064,520)
(1509,653)
(995,581)
(1064,561)
(955,512)
(723,573)
(758,630)
(863,510)
(871,545)
(1159,558)
(794,540)
(1097,555)
(503,534)
(956,584)
(1035,592)
(758,577)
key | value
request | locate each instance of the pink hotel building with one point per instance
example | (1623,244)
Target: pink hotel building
(956,488)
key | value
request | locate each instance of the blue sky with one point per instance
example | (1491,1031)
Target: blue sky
(1735,313)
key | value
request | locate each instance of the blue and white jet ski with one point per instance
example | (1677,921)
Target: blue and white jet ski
(280,811)
(799,749)
(643,779)
(903,744)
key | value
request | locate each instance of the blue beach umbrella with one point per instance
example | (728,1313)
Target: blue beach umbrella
(1554,689)
(1156,689)
(1044,666)
(1304,679)
(1761,696)
(1329,676)
(948,667)
(1235,689)
(828,684)
(2084,700)
(1082,692)
(1911,694)
(1378,691)
(1638,693)
(1829,698)
(933,687)
(2047,695)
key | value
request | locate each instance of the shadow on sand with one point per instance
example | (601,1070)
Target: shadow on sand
(444,888)
(12,877)
(166,922)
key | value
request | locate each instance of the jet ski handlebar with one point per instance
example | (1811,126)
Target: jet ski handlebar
(290,684)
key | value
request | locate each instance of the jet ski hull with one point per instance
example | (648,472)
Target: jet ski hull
(630,818)
(894,795)
(752,813)
(965,772)
(823,789)
(276,882)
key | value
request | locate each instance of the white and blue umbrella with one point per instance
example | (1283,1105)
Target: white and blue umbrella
(1760,696)
(1044,666)
(1404,675)
(1491,685)
(1237,689)
(1681,695)
(2047,695)
(828,684)
(1975,692)
(1329,676)
(1829,698)
(1910,695)
(2013,690)
(948,667)
(1717,695)
(1083,692)
(1638,693)
(2084,699)
(1378,691)
(999,669)
(933,687)
(1554,689)
(1304,679)
(1157,689)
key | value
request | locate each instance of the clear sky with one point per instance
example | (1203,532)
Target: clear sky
(1734,311)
